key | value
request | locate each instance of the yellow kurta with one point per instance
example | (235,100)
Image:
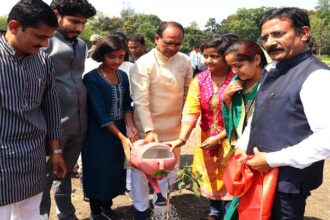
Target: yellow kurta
(211,167)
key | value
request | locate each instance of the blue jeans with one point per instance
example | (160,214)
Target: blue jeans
(218,208)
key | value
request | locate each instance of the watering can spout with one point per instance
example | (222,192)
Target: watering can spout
(154,185)
(161,201)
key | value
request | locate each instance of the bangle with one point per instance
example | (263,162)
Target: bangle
(183,141)
(57,151)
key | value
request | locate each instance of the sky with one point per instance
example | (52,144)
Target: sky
(182,11)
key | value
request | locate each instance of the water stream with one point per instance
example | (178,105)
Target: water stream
(159,213)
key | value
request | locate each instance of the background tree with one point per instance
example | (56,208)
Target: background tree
(244,23)
(193,37)
(212,26)
(320,24)
(3,22)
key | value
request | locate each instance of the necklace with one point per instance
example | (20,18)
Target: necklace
(112,80)
(218,81)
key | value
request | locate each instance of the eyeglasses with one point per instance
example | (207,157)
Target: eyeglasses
(171,43)
(273,35)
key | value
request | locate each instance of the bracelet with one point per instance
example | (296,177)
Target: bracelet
(182,140)
(57,151)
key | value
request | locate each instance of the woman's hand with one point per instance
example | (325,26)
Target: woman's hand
(210,143)
(132,134)
(127,145)
(176,143)
(231,89)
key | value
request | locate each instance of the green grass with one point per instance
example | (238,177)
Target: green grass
(325,59)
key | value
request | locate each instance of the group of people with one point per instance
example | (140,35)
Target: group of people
(50,111)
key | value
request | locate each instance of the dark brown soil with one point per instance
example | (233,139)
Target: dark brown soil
(190,207)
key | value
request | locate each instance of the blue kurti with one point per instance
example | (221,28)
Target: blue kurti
(103,154)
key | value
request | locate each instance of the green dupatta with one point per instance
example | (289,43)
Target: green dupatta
(235,119)
(236,116)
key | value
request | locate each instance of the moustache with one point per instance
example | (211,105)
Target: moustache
(75,32)
(274,49)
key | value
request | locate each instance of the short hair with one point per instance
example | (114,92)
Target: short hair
(138,38)
(73,8)
(166,24)
(108,45)
(124,39)
(219,42)
(32,13)
(246,50)
(298,16)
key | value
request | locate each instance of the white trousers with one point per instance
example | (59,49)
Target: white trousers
(140,188)
(128,179)
(27,209)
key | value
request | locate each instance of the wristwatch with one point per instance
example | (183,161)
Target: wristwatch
(57,151)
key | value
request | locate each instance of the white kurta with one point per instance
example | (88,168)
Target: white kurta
(159,87)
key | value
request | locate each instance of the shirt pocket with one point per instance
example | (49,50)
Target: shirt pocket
(36,90)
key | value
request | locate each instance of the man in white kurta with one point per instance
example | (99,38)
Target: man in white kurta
(159,82)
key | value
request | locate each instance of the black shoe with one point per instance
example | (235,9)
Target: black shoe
(97,217)
(141,215)
(109,214)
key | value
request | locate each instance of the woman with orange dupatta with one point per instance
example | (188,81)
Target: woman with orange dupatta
(205,99)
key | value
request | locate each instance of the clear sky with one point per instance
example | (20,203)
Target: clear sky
(183,11)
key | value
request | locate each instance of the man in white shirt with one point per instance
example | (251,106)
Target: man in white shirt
(291,124)
(196,59)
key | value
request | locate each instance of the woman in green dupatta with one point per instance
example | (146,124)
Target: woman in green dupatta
(247,60)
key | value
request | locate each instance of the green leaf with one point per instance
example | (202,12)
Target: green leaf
(181,185)
(196,189)
(159,173)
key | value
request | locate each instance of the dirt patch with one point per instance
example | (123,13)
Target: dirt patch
(190,207)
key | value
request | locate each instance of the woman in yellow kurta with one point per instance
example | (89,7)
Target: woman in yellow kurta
(205,99)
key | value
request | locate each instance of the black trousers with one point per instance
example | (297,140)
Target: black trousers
(96,206)
(289,206)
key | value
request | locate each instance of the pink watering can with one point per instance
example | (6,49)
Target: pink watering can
(150,158)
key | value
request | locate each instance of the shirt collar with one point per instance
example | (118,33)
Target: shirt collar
(6,47)
(160,56)
(278,68)
(287,64)
(63,38)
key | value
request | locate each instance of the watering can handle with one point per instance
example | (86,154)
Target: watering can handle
(138,143)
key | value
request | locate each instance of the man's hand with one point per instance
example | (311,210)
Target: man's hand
(59,166)
(258,162)
(151,137)
(240,151)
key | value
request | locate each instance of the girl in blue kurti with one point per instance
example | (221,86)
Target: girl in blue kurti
(109,115)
